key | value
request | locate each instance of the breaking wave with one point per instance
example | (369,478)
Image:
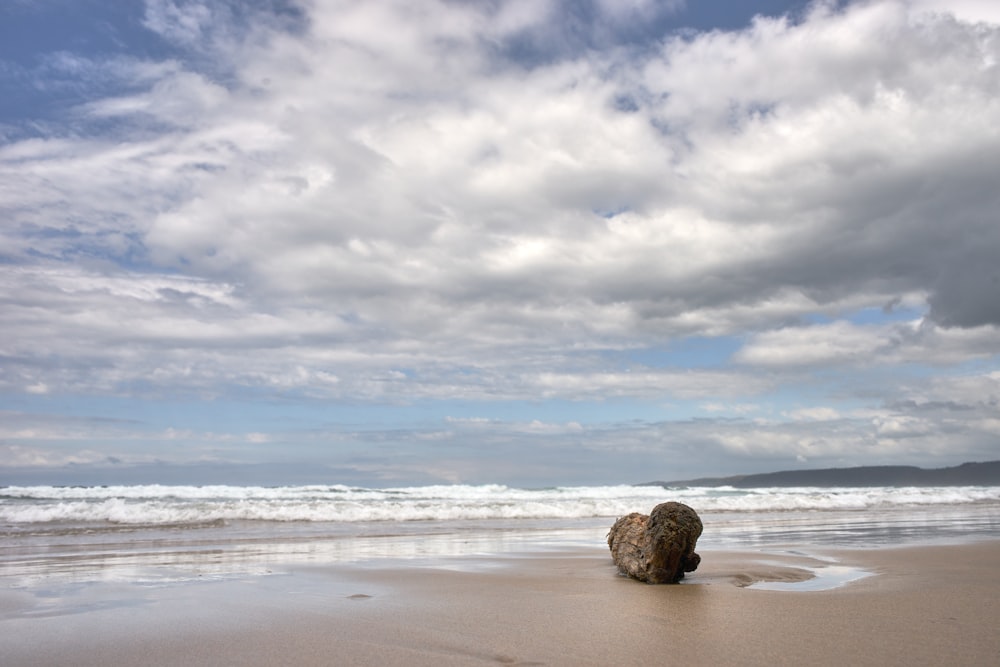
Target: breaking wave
(186,505)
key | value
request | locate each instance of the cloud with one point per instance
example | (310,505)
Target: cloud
(421,170)
(965,10)
(842,343)
(380,202)
(815,414)
(17,456)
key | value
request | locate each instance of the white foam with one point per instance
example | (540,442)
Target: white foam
(156,504)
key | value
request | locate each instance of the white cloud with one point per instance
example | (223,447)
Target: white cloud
(647,384)
(965,10)
(836,343)
(179,99)
(187,22)
(815,414)
(17,456)
(842,343)
(733,408)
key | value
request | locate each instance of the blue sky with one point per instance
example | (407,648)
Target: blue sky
(534,243)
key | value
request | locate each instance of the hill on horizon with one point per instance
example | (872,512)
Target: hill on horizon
(967,474)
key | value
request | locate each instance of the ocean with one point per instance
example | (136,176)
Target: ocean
(159,534)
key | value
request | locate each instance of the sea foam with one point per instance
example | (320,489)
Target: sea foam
(160,505)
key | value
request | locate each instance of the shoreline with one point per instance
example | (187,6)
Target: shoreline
(921,605)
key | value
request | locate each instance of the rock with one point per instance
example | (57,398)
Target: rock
(658,548)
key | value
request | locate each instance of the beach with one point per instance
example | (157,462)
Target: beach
(916,606)
(465,575)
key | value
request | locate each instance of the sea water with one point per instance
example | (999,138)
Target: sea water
(166,533)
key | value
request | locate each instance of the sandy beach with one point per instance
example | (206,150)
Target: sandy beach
(917,606)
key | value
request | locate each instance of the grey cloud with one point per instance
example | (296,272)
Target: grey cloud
(858,205)
(967,292)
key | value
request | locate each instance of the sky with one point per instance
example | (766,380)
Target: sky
(529,242)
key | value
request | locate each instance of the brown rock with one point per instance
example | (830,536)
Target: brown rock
(658,548)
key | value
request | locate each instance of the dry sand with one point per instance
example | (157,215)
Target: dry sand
(921,606)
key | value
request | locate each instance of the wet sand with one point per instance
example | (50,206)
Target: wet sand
(919,606)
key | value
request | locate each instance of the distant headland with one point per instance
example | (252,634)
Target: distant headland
(968,474)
